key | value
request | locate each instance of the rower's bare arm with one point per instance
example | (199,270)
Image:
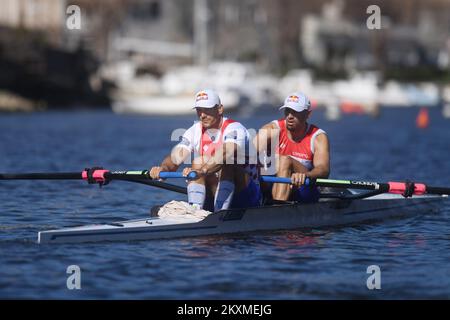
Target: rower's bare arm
(321,158)
(170,163)
(265,136)
(173,161)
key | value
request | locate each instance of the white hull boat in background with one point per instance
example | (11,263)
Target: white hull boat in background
(162,105)
(174,93)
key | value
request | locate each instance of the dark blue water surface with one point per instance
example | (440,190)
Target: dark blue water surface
(413,254)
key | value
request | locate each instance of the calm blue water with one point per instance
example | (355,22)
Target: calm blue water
(413,254)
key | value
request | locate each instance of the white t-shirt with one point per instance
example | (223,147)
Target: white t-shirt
(234,133)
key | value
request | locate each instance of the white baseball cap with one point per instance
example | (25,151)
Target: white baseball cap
(297,101)
(206,99)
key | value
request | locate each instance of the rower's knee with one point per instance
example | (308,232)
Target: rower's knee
(281,191)
(238,176)
(284,169)
(285,166)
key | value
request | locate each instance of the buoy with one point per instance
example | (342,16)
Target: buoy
(423,119)
(352,107)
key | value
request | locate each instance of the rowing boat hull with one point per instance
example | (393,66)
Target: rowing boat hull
(277,217)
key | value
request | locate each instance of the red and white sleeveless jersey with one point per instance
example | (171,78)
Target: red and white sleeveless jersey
(204,142)
(301,151)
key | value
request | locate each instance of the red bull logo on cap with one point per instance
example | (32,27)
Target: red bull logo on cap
(201,96)
(294,99)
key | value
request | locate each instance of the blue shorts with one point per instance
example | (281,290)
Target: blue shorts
(306,194)
(250,196)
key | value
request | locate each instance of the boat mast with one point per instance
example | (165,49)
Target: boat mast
(201,17)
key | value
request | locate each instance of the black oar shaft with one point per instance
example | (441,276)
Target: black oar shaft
(361,185)
(130,176)
(350,185)
(143,178)
(406,188)
(162,185)
(438,190)
(382,187)
(149,182)
(41,176)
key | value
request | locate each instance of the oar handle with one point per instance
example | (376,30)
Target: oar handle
(271,179)
(178,175)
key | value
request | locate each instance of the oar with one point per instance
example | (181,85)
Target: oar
(141,177)
(404,188)
(101,176)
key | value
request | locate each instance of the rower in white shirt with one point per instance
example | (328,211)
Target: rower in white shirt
(220,146)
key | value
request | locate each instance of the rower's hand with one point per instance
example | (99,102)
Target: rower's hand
(298,179)
(154,173)
(187,170)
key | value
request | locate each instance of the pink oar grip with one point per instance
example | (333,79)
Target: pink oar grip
(400,187)
(98,175)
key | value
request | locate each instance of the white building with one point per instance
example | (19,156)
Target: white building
(33,14)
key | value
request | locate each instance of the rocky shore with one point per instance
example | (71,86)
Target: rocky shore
(38,75)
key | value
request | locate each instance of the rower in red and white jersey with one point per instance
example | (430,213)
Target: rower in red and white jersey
(220,148)
(302,149)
